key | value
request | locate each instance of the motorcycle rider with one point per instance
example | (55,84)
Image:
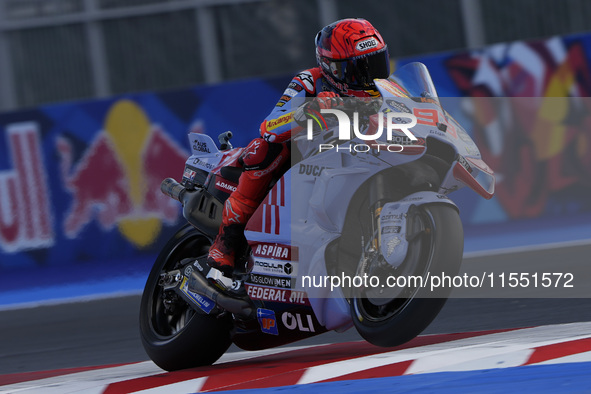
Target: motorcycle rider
(350,55)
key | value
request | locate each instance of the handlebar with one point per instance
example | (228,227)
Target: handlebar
(363,108)
(224,140)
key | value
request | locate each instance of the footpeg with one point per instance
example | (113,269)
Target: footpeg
(223,282)
(215,275)
(197,283)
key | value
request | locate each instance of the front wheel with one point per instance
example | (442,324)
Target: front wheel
(174,335)
(394,316)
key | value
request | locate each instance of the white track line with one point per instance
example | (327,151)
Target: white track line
(188,386)
(88,381)
(573,358)
(96,381)
(70,300)
(526,248)
(438,357)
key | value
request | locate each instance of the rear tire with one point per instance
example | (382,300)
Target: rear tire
(402,319)
(180,337)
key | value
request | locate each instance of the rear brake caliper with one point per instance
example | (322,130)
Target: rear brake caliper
(170,280)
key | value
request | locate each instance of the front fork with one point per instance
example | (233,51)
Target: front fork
(393,223)
(378,192)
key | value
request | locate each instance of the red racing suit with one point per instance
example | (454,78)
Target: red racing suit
(263,159)
(277,126)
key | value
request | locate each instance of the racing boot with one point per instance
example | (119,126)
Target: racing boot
(261,161)
(230,242)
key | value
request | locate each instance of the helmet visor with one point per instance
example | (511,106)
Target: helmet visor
(360,72)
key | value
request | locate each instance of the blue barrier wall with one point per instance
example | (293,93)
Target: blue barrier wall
(79,182)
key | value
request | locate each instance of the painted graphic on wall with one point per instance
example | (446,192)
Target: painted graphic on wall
(535,133)
(80,182)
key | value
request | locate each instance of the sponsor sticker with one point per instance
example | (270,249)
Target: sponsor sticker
(273,267)
(309,169)
(366,45)
(298,321)
(290,92)
(200,146)
(398,106)
(277,295)
(404,140)
(295,86)
(274,281)
(203,302)
(391,229)
(226,186)
(464,163)
(201,163)
(267,321)
(274,251)
(275,123)
(394,217)
(189,174)
(427,100)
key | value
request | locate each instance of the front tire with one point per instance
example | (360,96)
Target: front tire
(174,335)
(438,250)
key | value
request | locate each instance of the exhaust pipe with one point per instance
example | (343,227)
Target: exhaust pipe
(198,284)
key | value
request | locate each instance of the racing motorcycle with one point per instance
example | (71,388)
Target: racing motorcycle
(345,209)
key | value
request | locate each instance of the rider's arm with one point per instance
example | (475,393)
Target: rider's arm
(278,126)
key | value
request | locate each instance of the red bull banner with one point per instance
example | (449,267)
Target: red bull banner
(80,182)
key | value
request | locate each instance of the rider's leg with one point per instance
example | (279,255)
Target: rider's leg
(261,161)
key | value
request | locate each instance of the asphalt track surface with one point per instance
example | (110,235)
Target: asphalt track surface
(105,332)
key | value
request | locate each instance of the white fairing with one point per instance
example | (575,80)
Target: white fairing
(393,224)
(204,152)
(305,211)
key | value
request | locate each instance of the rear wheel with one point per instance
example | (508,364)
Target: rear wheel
(391,316)
(174,335)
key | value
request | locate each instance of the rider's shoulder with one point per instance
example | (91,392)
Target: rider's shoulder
(306,79)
